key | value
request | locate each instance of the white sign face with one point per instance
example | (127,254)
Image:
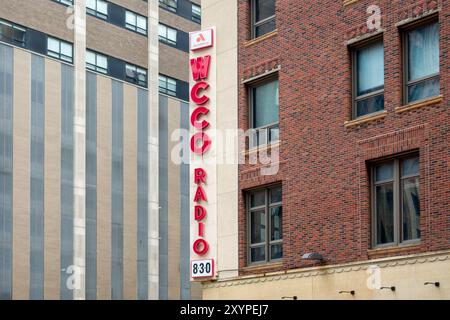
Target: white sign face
(201,39)
(202,268)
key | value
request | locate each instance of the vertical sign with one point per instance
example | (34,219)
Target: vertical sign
(203,175)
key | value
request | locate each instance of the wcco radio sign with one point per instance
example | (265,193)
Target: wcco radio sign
(203,170)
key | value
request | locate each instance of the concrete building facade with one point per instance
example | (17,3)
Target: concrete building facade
(90,92)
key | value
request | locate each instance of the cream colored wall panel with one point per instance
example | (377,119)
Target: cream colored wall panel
(52,171)
(407,273)
(104,144)
(173,179)
(130,191)
(21,174)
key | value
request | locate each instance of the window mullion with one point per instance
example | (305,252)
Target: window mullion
(397,211)
(267,227)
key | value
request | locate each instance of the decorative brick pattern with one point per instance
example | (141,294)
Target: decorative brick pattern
(324,172)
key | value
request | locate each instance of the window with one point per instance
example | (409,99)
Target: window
(264,220)
(167,35)
(66,2)
(421,56)
(12,33)
(368,79)
(264,113)
(98,8)
(196,13)
(167,85)
(59,49)
(395,205)
(136,22)
(136,75)
(96,62)
(170,5)
(263,17)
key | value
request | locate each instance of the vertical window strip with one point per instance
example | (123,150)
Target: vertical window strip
(6,141)
(185,276)
(91,186)
(163,198)
(117,191)
(67,184)
(37,121)
(142,190)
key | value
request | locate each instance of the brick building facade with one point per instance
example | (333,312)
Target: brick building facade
(331,151)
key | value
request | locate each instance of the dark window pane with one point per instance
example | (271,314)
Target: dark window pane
(385,213)
(264,28)
(258,227)
(264,9)
(384,172)
(258,254)
(275,195)
(276,223)
(410,209)
(257,199)
(424,90)
(276,251)
(423,52)
(410,167)
(370,105)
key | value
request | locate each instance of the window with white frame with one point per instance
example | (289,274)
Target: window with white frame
(136,22)
(59,49)
(167,85)
(196,13)
(167,35)
(170,5)
(136,75)
(98,8)
(96,62)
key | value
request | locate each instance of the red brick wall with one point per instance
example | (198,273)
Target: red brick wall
(324,170)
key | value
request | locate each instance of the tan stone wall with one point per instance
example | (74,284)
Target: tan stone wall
(177,21)
(408,274)
(138,6)
(130,192)
(21,174)
(42,15)
(117,42)
(104,145)
(173,62)
(52,170)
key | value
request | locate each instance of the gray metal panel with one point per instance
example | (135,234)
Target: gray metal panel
(91,186)
(117,191)
(163,198)
(185,277)
(6,163)
(142,195)
(67,180)
(37,125)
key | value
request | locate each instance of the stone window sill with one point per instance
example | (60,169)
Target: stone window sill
(262,148)
(420,104)
(365,119)
(348,2)
(381,252)
(261,268)
(261,38)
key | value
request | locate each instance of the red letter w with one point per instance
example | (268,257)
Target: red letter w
(200,67)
